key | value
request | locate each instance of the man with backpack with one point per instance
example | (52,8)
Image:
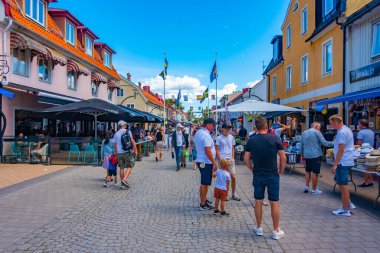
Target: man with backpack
(125,148)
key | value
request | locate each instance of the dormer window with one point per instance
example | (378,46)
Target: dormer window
(328,6)
(89,46)
(107,59)
(70,33)
(35,9)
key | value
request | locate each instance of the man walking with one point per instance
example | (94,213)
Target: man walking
(344,160)
(205,160)
(243,132)
(225,149)
(124,146)
(264,148)
(178,143)
(311,142)
(366,135)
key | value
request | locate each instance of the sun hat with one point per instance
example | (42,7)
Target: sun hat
(122,123)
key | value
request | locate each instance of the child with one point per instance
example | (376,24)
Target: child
(107,150)
(222,186)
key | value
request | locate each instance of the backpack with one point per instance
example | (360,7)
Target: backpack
(126,141)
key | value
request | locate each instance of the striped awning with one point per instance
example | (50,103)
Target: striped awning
(56,57)
(23,42)
(98,78)
(77,68)
(111,85)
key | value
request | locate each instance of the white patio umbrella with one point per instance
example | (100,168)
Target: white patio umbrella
(255,106)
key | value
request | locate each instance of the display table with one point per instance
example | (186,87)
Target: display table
(378,181)
(291,159)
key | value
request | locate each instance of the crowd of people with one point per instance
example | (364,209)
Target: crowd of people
(264,155)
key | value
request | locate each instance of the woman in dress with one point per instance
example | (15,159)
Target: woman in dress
(159,136)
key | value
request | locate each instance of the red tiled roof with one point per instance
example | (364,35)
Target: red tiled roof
(53,34)
(152,98)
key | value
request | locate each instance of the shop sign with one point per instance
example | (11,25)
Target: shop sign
(365,72)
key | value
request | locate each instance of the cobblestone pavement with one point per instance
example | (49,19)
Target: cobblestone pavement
(73,213)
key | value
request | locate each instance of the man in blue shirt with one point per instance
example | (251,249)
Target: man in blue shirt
(205,160)
(311,142)
(366,135)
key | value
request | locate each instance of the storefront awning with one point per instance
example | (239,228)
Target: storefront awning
(53,99)
(98,78)
(363,94)
(56,57)
(6,93)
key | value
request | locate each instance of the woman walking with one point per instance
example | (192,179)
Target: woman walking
(159,144)
(193,149)
(107,150)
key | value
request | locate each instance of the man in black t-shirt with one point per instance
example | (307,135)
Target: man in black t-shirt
(243,132)
(264,148)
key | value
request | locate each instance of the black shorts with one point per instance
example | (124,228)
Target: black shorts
(206,174)
(111,173)
(313,165)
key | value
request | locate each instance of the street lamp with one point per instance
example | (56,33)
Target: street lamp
(132,96)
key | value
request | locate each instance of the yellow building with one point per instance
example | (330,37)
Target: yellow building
(307,63)
(130,95)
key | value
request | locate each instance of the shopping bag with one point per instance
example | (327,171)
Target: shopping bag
(186,153)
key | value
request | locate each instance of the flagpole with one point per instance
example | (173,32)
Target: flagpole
(216,94)
(165,99)
(208,101)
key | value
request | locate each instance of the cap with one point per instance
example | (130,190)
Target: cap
(226,126)
(209,121)
(122,123)
(179,125)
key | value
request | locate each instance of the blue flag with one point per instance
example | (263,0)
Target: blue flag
(178,98)
(214,73)
(164,73)
(205,95)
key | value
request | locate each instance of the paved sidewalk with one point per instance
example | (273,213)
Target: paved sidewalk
(11,174)
(71,212)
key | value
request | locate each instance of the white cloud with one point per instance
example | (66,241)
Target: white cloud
(190,86)
(251,84)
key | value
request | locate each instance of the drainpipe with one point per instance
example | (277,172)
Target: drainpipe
(10,22)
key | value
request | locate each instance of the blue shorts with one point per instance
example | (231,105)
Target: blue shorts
(206,174)
(271,183)
(341,174)
(194,151)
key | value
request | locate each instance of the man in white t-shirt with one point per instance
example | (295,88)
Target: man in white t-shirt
(344,160)
(225,149)
(125,153)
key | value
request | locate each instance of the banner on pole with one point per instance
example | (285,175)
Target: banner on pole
(200,108)
(191,108)
(199,97)
(186,98)
(212,97)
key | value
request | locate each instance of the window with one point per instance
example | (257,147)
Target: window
(274,86)
(275,51)
(289,77)
(304,21)
(376,40)
(89,46)
(328,6)
(44,70)
(327,61)
(20,63)
(35,9)
(107,59)
(94,89)
(289,36)
(120,92)
(305,69)
(131,106)
(70,36)
(295,6)
(71,80)
(109,94)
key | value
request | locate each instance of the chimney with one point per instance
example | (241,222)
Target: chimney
(129,76)
(140,84)
(156,95)
(146,88)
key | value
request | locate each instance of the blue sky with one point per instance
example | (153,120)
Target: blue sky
(190,32)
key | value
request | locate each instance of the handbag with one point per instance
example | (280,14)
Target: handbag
(186,153)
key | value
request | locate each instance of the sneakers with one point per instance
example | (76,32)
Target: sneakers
(366,186)
(105,185)
(342,212)
(206,207)
(351,206)
(216,211)
(178,169)
(235,197)
(306,189)
(316,192)
(278,235)
(124,183)
(209,202)
(258,231)
(224,213)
